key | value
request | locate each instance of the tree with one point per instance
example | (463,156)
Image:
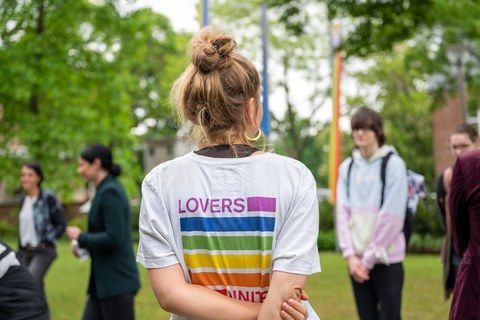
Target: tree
(291,59)
(74,72)
(433,26)
(407,43)
(405,108)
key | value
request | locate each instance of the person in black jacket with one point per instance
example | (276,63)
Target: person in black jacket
(41,222)
(20,296)
(114,279)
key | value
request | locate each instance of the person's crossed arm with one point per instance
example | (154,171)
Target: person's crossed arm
(175,295)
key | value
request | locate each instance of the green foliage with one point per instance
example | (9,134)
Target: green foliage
(292,14)
(135,209)
(76,72)
(293,133)
(79,221)
(327,215)
(378,25)
(425,243)
(326,240)
(405,109)
(427,220)
(431,28)
(7,230)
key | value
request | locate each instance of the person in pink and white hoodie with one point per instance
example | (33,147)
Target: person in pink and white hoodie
(370,217)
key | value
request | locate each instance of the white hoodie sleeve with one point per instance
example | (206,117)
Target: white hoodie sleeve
(343,212)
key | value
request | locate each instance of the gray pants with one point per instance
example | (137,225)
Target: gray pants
(38,261)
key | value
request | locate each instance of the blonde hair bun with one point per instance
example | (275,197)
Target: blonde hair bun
(211,50)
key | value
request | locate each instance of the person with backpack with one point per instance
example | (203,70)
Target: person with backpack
(41,222)
(370,217)
(20,296)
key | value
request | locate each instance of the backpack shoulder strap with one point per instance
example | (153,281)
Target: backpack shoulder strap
(348,176)
(383,174)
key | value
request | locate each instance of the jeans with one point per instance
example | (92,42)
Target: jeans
(380,298)
(38,260)
(114,308)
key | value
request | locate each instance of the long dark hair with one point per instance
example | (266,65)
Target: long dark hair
(35,166)
(104,154)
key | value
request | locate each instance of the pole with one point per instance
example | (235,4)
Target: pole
(265,124)
(204,13)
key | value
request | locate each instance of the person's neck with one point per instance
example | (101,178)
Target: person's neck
(101,176)
(220,143)
(34,192)
(368,151)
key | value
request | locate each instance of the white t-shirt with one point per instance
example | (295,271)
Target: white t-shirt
(221,219)
(28,234)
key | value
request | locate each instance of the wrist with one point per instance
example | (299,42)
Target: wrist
(351,258)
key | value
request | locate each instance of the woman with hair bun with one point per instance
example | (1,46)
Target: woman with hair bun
(228,231)
(114,279)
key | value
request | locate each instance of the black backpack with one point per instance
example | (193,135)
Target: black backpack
(408,224)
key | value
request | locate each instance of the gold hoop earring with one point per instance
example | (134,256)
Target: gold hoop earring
(254,139)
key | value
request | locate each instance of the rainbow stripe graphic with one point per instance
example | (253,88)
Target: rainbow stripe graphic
(231,252)
(335,136)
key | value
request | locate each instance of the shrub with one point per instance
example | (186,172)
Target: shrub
(427,220)
(7,230)
(425,243)
(326,215)
(326,240)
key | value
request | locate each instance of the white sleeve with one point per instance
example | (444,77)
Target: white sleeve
(296,248)
(156,247)
(343,211)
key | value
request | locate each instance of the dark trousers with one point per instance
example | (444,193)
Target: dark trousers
(380,298)
(38,260)
(114,308)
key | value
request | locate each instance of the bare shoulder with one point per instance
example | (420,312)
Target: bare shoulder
(447,178)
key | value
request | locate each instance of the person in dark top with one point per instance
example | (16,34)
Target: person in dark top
(463,139)
(41,222)
(20,296)
(114,279)
(464,205)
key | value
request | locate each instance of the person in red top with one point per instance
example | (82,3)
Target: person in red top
(464,204)
(463,139)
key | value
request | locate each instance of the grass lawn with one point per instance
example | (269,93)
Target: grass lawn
(329,291)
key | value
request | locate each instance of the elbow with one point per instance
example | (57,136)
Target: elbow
(167,301)
(166,304)
(114,240)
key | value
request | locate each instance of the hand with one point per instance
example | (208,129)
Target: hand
(292,308)
(357,270)
(73,233)
(72,248)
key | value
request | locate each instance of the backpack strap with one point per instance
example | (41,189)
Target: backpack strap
(348,176)
(383,174)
